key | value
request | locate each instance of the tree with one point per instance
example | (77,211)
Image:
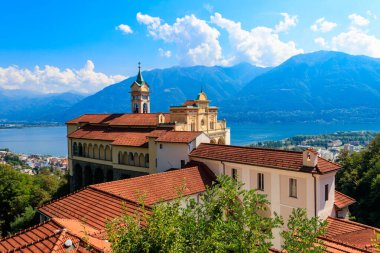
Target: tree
(21,194)
(302,233)
(226,219)
(360,179)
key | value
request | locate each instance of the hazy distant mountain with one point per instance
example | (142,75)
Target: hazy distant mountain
(171,86)
(317,86)
(320,85)
(22,105)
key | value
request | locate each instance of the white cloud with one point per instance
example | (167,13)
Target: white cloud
(321,42)
(261,45)
(287,23)
(356,41)
(322,25)
(51,79)
(164,53)
(126,29)
(358,20)
(197,42)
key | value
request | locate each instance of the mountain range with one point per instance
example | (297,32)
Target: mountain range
(324,85)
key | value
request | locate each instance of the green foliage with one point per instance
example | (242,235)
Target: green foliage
(322,140)
(226,219)
(302,233)
(20,192)
(23,220)
(360,179)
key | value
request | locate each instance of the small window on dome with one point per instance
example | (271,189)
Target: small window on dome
(308,157)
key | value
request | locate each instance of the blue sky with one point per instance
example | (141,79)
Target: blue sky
(86,45)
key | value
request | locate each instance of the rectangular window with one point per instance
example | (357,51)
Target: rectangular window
(292,187)
(183,163)
(260,181)
(160,146)
(326,192)
(234,174)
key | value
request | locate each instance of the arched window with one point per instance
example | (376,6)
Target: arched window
(125,158)
(90,151)
(136,108)
(96,152)
(80,149)
(101,152)
(120,158)
(192,126)
(136,159)
(142,160)
(145,108)
(212,124)
(202,122)
(131,160)
(108,156)
(221,141)
(85,150)
(75,149)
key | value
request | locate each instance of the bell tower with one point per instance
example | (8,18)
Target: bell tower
(140,94)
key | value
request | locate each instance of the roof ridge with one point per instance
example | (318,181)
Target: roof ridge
(55,200)
(55,233)
(148,175)
(26,229)
(345,195)
(248,147)
(115,195)
(354,223)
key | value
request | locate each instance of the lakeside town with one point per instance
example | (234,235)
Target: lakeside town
(32,163)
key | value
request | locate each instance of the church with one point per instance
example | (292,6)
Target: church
(107,147)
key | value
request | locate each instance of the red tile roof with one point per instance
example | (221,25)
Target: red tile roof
(127,119)
(188,103)
(273,158)
(97,204)
(342,200)
(124,137)
(161,186)
(178,136)
(351,233)
(51,236)
(95,208)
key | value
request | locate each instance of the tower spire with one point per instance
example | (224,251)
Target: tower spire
(139,78)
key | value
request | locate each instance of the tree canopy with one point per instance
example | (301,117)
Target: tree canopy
(360,179)
(21,193)
(227,218)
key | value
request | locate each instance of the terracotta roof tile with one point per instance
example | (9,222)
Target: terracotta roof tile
(50,236)
(89,205)
(124,137)
(342,200)
(93,118)
(160,186)
(188,103)
(273,158)
(178,136)
(351,233)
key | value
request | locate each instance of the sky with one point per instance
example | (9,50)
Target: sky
(84,45)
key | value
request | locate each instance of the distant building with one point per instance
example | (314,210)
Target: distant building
(106,147)
(348,147)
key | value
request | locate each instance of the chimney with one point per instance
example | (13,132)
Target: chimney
(310,157)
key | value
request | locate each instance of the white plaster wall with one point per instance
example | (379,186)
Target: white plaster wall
(171,154)
(325,208)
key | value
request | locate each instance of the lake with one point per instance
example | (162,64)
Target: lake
(52,140)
